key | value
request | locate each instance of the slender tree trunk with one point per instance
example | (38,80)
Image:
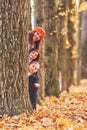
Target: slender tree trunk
(39,21)
(78,46)
(51,49)
(14,21)
(66,44)
(62,51)
(72,40)
(84,45)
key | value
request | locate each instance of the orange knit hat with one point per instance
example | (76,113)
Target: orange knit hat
(41,31)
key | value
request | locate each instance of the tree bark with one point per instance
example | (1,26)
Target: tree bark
(84,45)
(51,49)
(66,31)
(15,23)
(38,12)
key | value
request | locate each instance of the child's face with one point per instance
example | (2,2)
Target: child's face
(36,37)
(33,67)
(33,54)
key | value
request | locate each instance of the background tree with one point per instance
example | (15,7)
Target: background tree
(15,24)
(81,71)
(51,49)
(83,13)
(38,20)
(66,30)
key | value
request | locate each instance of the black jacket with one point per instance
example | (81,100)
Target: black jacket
(32,80)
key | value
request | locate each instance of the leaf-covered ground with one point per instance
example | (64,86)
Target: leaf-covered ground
(69,112)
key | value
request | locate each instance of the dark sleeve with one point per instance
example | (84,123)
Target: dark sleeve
(36,44)
(36,78)
(30,37)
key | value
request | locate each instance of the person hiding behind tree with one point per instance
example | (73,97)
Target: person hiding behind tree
(33,83)
(35,36)
(34,54)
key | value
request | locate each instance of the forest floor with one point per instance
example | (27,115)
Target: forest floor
(68,112)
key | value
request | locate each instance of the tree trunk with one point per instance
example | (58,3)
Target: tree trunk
(51,49)
(66,44)
(72,40)
(15,24)
(78,47)
(38,12)
(84,45)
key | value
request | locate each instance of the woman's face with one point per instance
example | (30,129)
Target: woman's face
(33,54)
(36,37)
(33,67)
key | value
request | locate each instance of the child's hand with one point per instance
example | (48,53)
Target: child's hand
(36,85)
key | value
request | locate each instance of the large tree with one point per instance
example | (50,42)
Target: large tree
(15,24)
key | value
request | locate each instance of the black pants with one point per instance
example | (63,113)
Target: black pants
(32,90)
(33,98)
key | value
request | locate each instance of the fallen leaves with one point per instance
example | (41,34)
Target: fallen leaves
(69,112)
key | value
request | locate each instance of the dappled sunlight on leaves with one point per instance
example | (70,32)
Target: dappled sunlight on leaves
(83,6)
(68,112)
